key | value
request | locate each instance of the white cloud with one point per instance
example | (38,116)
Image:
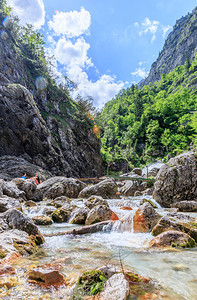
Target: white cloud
(149,26)
(71,54)
(103,90)
(152,27)
(71,24)
(29,11)
(140,72)
(166,29)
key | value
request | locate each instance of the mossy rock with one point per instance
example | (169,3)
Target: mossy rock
(91,282)
(149,201)
(60,215)
(2,254)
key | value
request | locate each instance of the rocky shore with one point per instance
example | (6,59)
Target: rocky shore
(174,189)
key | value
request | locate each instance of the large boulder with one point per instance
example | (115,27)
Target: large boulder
(10,189)
(106,189)
(177,180)
(186,206)
(98,214)
(145,218)
(173,238)
(8,202)
(61,186)
(116,288)
(165,224)
(17,220)
(30,188)
(16,240)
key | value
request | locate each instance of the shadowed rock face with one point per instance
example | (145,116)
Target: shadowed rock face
(40,130)
(177,180)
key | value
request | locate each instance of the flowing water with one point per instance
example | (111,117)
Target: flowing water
(174,271)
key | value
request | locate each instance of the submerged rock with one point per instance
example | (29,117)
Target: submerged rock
(145,218)
(106,189)
(42,220)
(173,238)
(116,288)
(46,277)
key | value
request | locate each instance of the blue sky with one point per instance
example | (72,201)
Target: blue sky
(102,45)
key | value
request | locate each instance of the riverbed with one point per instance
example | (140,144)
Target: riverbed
(174,273)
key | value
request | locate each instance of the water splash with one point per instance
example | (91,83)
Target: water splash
(124,224)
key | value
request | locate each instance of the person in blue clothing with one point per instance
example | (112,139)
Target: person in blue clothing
(24,176)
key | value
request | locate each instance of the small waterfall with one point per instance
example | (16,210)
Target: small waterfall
(125,223)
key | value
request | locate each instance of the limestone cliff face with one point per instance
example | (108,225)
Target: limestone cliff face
(40,129)
(180,45)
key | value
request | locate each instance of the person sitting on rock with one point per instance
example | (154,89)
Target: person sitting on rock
(24,176)
(37,179)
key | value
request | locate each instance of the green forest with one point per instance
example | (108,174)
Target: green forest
(154,122)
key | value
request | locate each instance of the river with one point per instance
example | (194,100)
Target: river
(174,272)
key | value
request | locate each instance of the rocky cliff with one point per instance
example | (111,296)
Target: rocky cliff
(41,127)
(180,45)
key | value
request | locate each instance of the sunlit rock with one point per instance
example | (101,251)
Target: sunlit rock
(116,288)
(172,238)
(106,189)
(98,214)
(8,202)
(145,218)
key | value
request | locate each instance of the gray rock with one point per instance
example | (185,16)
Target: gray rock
(79,216)
(8,202)
(61,186)
(95,200)
(8,238)
(106,189)
(130,188)
(98,214)
(190,206)
(173,238)
(17,220)
(177,180)
(10,189)
(116,288)
(30,188)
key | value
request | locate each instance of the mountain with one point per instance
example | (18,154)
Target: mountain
(159,119)
(41,128)
(180,45)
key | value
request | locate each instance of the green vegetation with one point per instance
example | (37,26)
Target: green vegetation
(142,125)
